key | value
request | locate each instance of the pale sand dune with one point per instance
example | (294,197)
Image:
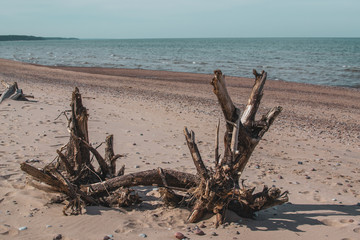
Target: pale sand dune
(312,150)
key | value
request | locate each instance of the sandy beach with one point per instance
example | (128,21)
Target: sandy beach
(312,150)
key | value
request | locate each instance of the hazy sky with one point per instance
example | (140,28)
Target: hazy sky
(180,18)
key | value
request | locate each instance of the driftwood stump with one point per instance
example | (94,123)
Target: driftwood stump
(210,190)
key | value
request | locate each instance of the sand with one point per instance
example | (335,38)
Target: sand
(312,150)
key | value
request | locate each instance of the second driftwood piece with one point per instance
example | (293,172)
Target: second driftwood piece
(12,91)
(210,190)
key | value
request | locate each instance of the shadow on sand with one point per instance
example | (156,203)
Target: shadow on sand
(291,216)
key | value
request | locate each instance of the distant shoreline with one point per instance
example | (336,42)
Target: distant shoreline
(30,38)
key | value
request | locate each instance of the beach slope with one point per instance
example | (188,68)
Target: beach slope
(312,150)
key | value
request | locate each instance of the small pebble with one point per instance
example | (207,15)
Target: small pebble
(136,166)
(143,235)
(281,177)
(199,232)
(313,169)
(334,199)
(22,228)
(202,225)
(257,166)
(179,235)
(57,237)
(300,162)
(48,226)
(237,232)
(108,237)
(214,234)
(307,177)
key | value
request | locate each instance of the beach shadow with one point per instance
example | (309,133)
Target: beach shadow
(141,207)
(292,216)
(96,210)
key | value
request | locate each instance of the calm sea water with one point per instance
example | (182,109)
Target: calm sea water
(326,61)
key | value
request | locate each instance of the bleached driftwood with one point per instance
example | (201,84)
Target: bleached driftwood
(210,190)
(13,92)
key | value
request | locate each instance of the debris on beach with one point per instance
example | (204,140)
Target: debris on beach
(211,190)
(13,92)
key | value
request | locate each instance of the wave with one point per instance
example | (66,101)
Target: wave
(352,69)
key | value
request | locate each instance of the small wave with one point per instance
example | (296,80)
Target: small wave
(352,69)
(32,58)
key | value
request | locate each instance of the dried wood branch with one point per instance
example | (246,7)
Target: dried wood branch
(253,104)
(217,156)
(199,164)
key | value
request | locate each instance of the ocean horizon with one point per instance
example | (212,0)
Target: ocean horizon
(322,61)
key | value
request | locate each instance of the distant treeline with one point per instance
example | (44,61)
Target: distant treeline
(30,38)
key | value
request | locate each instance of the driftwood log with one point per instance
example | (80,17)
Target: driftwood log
(12,91)
(210,190)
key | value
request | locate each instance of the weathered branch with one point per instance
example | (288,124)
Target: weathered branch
(235,136)
(222,94)
(77,153)
(66,163)
(44,177)
(104,167)
(252,106)
(198,162)
(267,120)
(145,178)
(217,156)
(10,90)
(13,92)
(109,154)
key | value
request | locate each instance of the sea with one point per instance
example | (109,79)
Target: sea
(321,61)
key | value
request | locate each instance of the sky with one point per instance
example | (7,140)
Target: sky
(121,19)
